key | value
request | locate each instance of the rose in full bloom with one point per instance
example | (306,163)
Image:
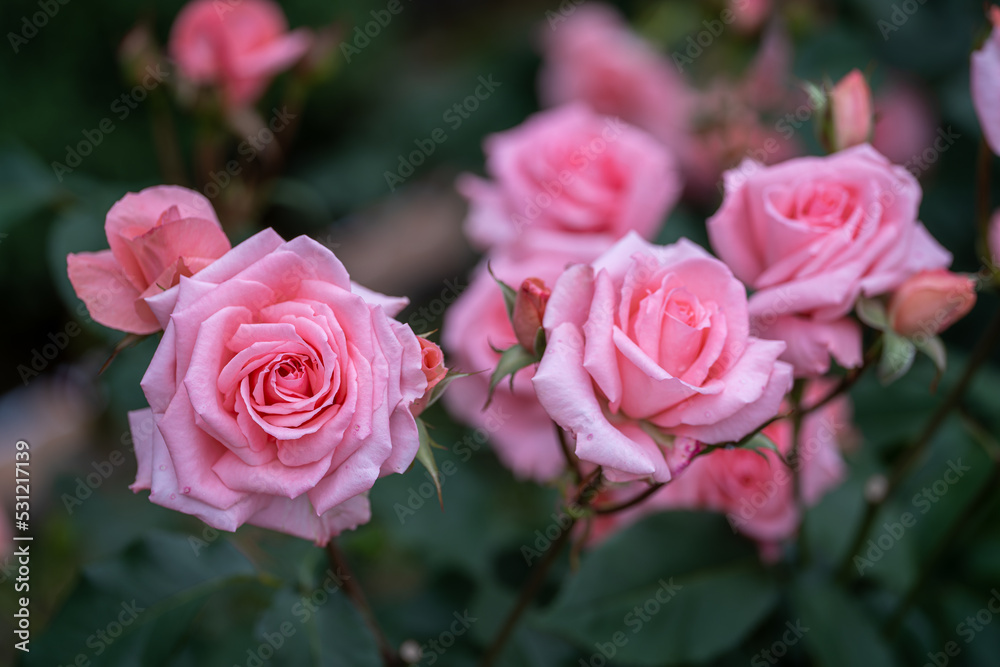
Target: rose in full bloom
(156,236)
(519,430)
(237,46)
(279,393)
(572,180)
(649,343)
(985,73)
(593,56)
(851,111)
(930,302)
(757,492)
(811,235)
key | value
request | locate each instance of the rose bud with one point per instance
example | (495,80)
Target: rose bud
(850,112)
(529,307)
(930,302)
(432,364)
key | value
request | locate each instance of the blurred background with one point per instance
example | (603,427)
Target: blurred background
(212,599)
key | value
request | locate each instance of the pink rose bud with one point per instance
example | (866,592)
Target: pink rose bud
(432,364)
(156,236)
(237,45)
(985,82)
(850,111)
(529,308)
(930,302)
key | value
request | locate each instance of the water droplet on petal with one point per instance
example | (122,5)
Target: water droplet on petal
(590,436)
(163,467)
(187,489)
(173,496)
(707,413)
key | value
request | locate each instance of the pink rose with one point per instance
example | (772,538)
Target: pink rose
(985,73)
(520,431)
(529,309)
(593,56)
(851,111)
(571,180)
(930,302)
(239,46)
(757,493)
(654,340)
(156,236)
(279,393)
(749,14)
(810,236)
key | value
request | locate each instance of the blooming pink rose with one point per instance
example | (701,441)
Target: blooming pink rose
(519,430)
(985,73)
(757,492)
(811,235)
(238,46)
(571,180)
(279,393)
(930,302)
(593,56)
(652,338)
(851,111)
(156,236)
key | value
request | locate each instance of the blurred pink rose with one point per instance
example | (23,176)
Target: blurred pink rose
(156,236)
(593,56)
(520,431)
(279,393)
(810,236)
(985,73)
(238,45)
(757,492)
(850,111)
(750,14)
(654,337)
(572,180)
(905,123)
(931,301)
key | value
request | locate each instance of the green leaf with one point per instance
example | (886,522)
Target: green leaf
(872,312)
(898,354)
(509,293)
(511,361)
(662,584)
(425,454)
(838,629)
(438,391)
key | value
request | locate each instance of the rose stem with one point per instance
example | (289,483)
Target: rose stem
(338,561)
(584,495)
(979,355)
